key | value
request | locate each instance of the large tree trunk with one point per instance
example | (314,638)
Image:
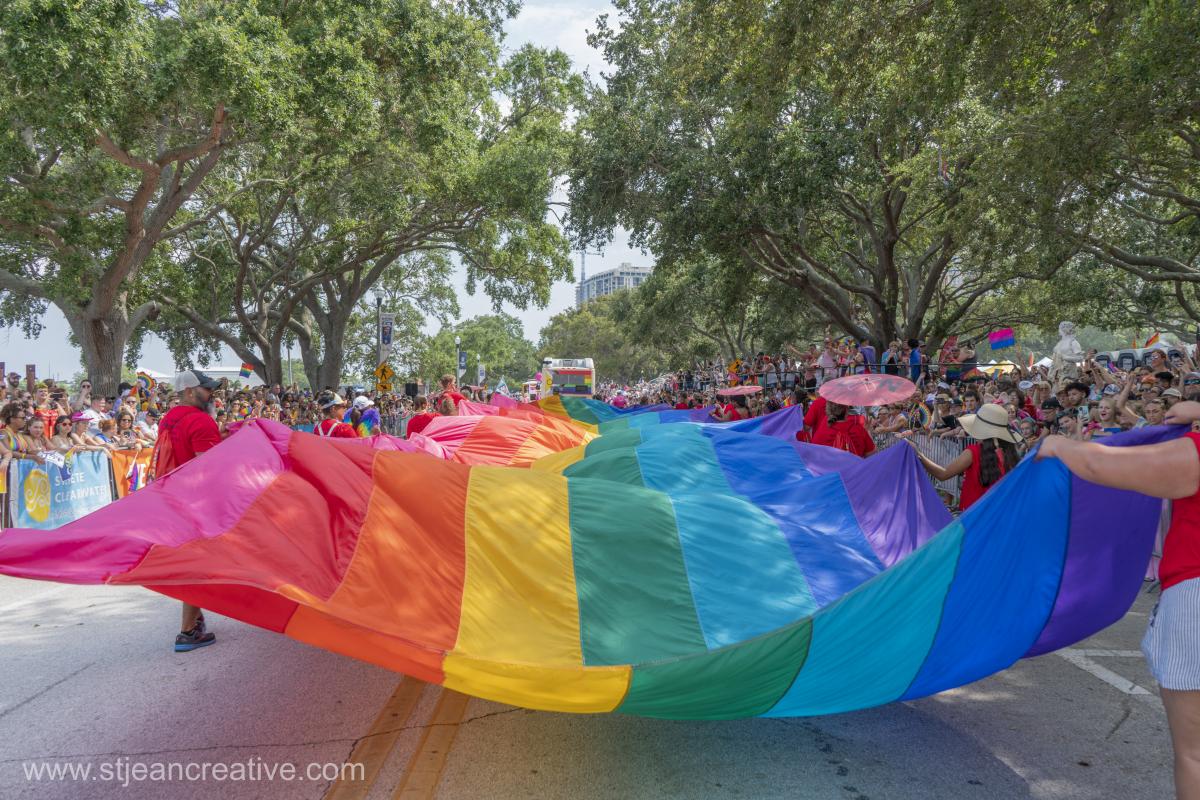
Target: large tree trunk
(272,367)
(311,359)
(103,342)
(333,334)
(103,338)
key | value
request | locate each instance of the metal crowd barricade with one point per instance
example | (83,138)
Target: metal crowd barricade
(941,450)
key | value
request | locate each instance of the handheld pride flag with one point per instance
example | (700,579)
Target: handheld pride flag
(246,370)
(1153,340)
(1002,338)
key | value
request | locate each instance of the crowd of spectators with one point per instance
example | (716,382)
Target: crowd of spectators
(52,417)
(1089,401)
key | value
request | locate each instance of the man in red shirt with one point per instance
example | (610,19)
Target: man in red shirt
(185,432)
(422,418)
(334,408)
(450,389)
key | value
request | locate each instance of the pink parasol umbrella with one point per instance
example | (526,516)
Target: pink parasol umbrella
(734,391)
(867,390)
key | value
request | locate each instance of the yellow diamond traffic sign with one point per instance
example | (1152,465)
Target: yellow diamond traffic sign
(384,372)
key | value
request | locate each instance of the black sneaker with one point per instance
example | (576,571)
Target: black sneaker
(200,626)
(193,640)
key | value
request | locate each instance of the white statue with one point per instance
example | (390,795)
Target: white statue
(1068,355)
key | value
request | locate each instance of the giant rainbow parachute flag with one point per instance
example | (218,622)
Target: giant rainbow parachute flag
(666,570)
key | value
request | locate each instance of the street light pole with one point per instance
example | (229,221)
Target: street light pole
(458,371)
(378,333)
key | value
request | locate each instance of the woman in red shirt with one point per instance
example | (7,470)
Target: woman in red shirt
(333,406)
(732,412)
(984,463)
(842,430)
(1170,470)
(422,418)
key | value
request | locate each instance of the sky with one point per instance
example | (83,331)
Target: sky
(563,25)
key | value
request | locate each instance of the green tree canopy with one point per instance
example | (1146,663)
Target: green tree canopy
(779,137)
(113,114)
(495,340)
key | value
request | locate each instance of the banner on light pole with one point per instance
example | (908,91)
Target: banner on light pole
(387,322)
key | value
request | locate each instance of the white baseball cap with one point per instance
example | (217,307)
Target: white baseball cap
(362,401)
(329,399)
(191,378)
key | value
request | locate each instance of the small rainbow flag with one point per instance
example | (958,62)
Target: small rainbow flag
(924,415)
(1153,340)
(973,374)
(247,369)
(145,382)
(1002,338)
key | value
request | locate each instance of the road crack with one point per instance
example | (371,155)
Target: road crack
(1127,711)
(30,699)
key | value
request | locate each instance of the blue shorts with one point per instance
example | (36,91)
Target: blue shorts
(1172,641)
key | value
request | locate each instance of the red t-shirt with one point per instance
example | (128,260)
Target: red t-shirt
(972,489)
(184,433)
(815,418)
(334,429)
(681,406)
(849,434)
(1181,550)
(49,416)
(419,422)
(455,396)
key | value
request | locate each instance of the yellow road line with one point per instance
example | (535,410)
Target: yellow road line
(373,749)
(425,770)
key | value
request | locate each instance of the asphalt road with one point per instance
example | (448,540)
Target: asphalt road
(88,681)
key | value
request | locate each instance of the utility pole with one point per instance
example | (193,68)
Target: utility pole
(378,332)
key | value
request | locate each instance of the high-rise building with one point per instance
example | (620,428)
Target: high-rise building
(626,276)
